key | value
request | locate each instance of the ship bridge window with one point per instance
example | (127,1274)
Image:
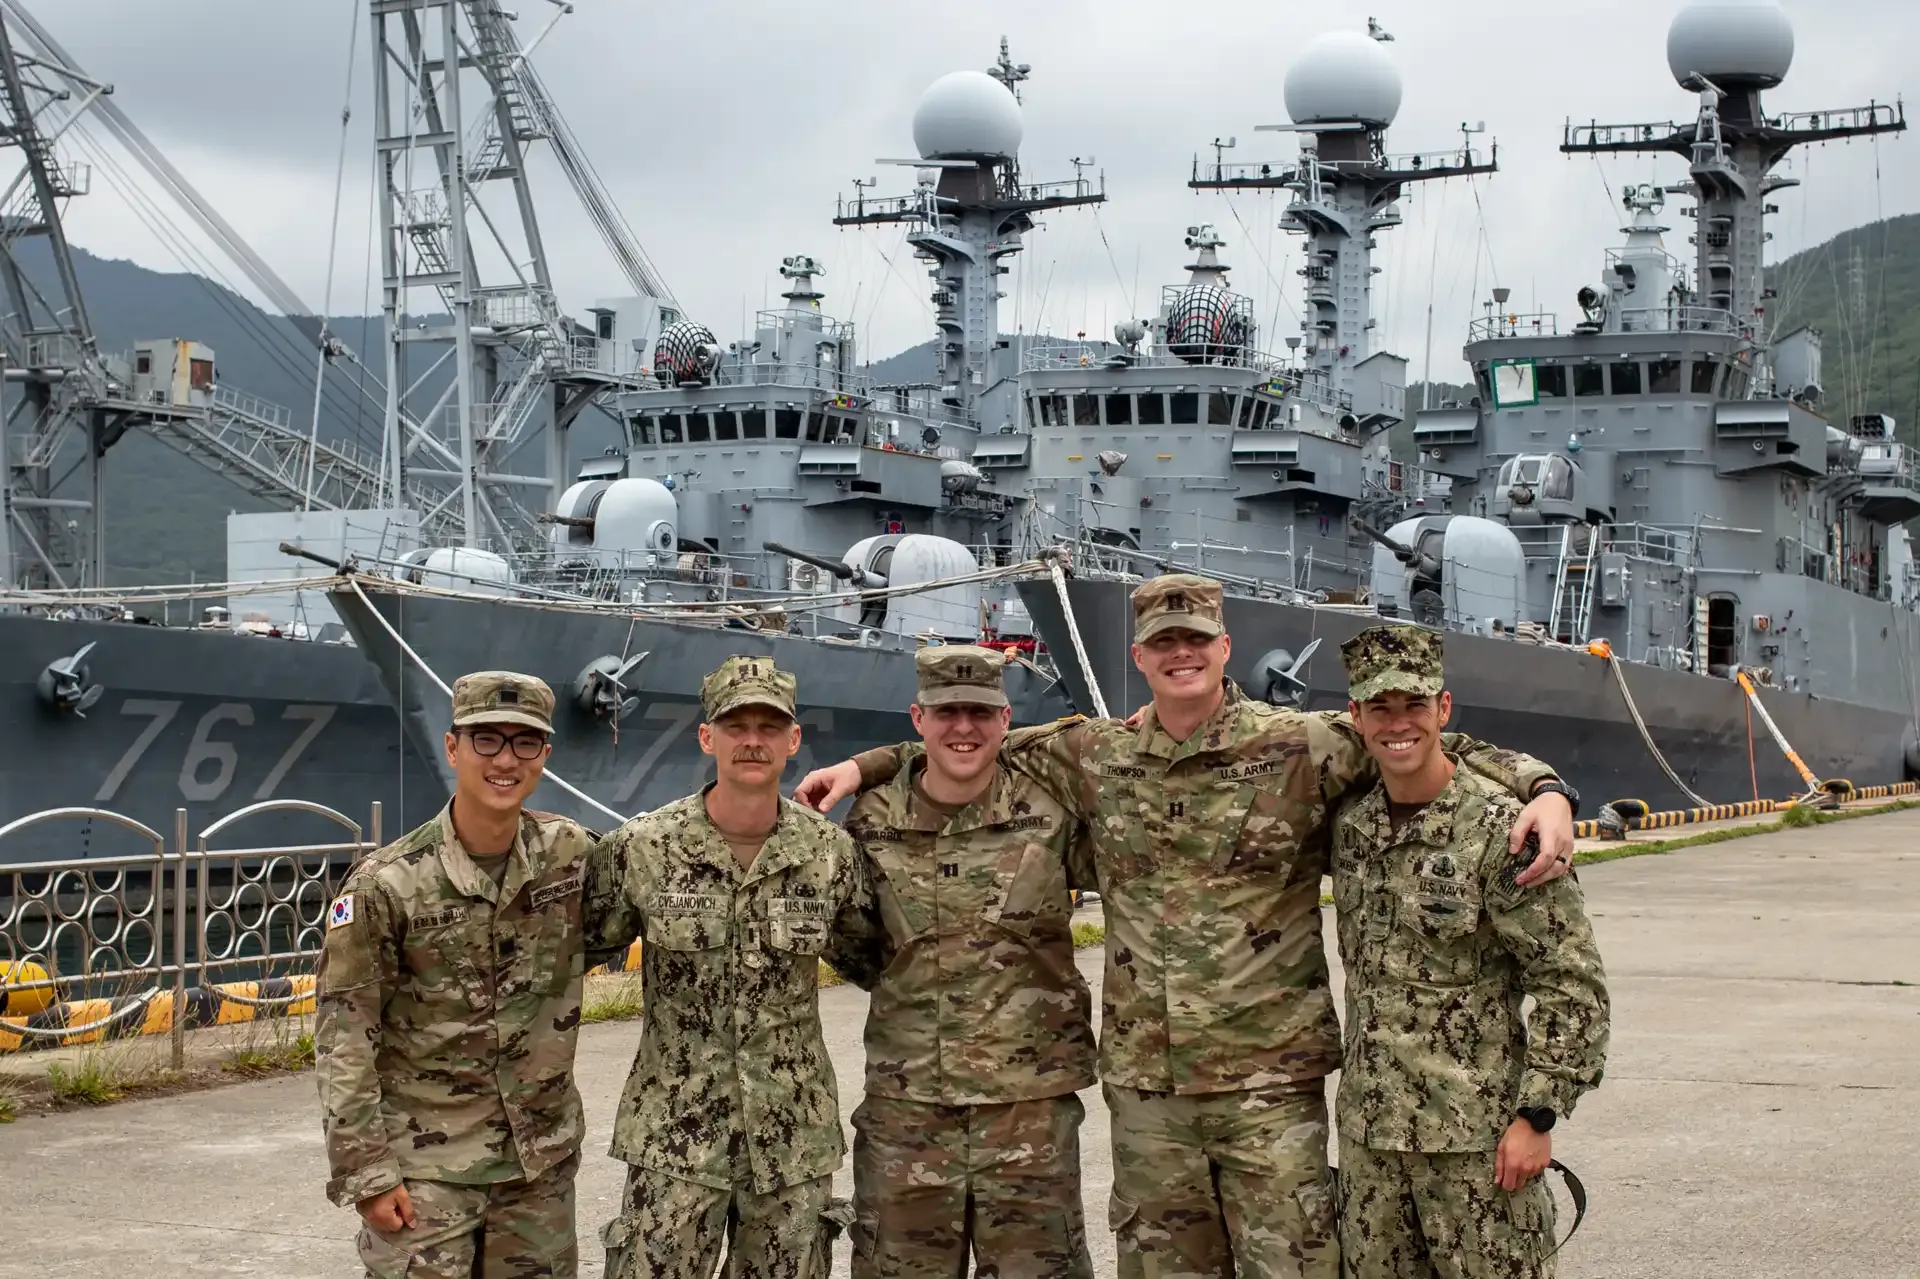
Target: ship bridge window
(1119,410)
(1247,406)
(1186,409)
(1559,485)
(1220,409)
(816,426)
(642,428)
(1736,387)
(1663,377)
(1550,381)
(672,430)
(726,426)
(1485,383)
(699,428)
(1033,411)
(1625,378)
(1153,410)
(1588,380)
(786,424)
(753,424)
(1086,410)
(1704,372)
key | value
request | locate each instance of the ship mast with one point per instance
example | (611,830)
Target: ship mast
(1727,54)
(464,275)
(970,210)
(1342,94)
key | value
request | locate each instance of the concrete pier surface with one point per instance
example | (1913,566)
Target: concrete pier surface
(1760,1115)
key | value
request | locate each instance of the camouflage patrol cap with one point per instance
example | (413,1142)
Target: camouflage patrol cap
(747,681)
(1177,601)
(960,674)
(502,697)
(1400,658)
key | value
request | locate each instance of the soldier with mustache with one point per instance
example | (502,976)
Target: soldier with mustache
(730,1120)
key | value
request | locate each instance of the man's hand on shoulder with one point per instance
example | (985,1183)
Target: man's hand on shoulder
(821,789)
(1545,825)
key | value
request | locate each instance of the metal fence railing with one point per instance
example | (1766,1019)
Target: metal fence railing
(124,937)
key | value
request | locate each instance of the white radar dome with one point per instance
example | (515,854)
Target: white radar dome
(1343,75)
(968,115)
(1734,43)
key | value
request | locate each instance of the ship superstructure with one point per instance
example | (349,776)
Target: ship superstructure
(1648,494)
(1185,440)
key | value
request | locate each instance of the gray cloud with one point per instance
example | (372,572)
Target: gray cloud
(725,130)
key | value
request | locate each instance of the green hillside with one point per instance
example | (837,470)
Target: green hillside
(1861,289)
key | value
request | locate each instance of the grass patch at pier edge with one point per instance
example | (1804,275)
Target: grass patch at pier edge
(9,1101)
(612,997)
(1792,818)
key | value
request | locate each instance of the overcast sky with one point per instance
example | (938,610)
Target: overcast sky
(726,129)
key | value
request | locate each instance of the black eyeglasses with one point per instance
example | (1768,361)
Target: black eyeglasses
(489,743)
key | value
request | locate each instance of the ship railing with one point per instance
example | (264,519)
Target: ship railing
(922,400)
(1518,324)
(826,377)
(1677,319)
(172,931)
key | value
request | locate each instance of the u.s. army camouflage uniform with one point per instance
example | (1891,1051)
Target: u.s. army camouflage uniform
(445,1039)
(1217,1024)
(730,1119)
(980,1031)
(1440,949)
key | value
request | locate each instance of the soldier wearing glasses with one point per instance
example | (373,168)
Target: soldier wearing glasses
(449,999)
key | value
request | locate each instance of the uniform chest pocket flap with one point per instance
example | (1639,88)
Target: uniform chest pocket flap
(688,921)
(798,925)
(437,949)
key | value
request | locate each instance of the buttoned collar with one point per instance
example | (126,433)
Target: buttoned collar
(784,846)
(466,875)
(1217,732)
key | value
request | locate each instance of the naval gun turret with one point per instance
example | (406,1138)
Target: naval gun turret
(1457,571)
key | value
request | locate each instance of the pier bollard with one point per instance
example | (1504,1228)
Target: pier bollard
(178,1029)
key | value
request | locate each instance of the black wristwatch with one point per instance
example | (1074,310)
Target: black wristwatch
(1540,1118)
(1573,798)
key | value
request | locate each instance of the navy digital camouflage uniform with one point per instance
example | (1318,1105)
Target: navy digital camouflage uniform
(980,1030)
(1217,1025)
(1440,949)
(448,1008)
(730,1119)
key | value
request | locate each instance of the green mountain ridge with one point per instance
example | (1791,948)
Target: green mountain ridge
(167,515)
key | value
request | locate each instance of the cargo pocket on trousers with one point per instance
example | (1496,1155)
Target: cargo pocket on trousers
(617,1238)
(1319,1225)
(835,1218)
(1123,1218)
(383,1260)
(1530,1221)
(864,1233)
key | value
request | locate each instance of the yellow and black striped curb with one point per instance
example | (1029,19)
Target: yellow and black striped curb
(1638,817)
(89,1021)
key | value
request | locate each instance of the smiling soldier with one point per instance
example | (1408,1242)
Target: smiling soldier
(449,996)
(980,1031)
(1449,1090)
(730,1120)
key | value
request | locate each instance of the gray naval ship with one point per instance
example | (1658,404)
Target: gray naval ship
(1641,505)
(771,499)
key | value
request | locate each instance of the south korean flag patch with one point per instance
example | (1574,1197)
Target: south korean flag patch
(340,913)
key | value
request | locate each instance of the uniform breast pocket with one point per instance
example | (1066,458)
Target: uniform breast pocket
(797,925)
(1267,827)
(687,932)
(436,960)
(1439,935)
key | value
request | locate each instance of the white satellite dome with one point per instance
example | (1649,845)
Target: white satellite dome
(1734,43)
(1343,75)
(968,115)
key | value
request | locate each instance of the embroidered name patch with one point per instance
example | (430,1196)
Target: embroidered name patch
(879,834)
(1447,889)
(1131,772)
(1255,768)
(555,891)
(340,913)
(1026,823)
(798,908)
(437,918)
(689,904)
